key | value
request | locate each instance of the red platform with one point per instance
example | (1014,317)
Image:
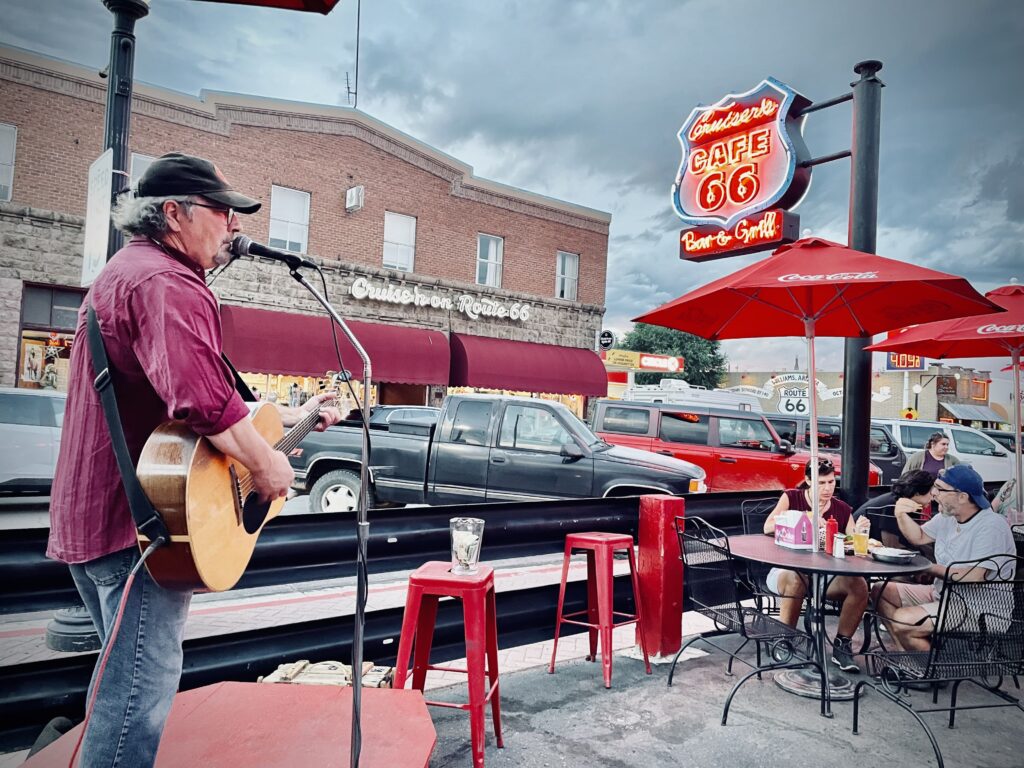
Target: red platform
(282,726)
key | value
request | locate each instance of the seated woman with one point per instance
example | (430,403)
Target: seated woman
(912,492)
(792,586)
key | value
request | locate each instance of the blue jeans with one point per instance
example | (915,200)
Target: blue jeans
(144,668)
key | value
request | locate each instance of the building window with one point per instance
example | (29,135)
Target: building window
(8,140)
(567,273)
(48,319)
(399,241)
(289,219)
(489,251)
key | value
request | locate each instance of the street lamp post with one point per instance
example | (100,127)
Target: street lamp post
(72,628)
(117,121)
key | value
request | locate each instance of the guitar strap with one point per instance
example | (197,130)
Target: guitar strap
(147,519)
(240,386)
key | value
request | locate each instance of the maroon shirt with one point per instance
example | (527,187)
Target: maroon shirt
(161,329)
(837,508)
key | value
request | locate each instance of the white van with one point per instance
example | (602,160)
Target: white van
(679,392)
(989,459)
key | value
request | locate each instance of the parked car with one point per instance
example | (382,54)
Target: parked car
(383,414)
(1002,437)
(30,425)
(482,448)
(883,450)
(991,460)
(738,450)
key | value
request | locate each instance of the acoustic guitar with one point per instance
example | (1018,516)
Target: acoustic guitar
(208,502)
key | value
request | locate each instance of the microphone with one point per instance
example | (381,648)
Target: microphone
(244,246)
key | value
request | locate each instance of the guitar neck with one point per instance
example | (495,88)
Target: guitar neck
(296,434)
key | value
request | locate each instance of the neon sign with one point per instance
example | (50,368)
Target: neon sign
(742,156)
(754,233)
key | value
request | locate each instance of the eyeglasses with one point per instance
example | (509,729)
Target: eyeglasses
(229,211)
(936,489)
(826,466)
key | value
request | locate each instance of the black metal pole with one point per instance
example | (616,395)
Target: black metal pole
(117,120)
(867,112)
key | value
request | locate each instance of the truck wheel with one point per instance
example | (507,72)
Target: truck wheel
(335,491)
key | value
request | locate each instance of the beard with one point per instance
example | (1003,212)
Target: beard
(222,257)
(947,511)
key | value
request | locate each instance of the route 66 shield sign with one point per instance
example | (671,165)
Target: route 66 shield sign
(741,156)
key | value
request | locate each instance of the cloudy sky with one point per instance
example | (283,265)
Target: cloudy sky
(582,99)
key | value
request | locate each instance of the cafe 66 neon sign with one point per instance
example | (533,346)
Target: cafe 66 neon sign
(741,157)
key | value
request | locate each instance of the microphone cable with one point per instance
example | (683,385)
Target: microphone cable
(154,545)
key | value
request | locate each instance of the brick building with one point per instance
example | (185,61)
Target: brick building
(452,280)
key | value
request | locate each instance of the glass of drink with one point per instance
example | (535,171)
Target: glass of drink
(860,543)
(467,534)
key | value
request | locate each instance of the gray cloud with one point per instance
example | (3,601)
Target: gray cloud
(582,101)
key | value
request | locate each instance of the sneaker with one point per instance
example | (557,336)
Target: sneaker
(842,656)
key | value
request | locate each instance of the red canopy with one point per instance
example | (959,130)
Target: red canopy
(314,6)
(990,335)
(523,366)
(843,291)
(301,345)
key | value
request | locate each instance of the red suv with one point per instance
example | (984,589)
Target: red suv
(739,450)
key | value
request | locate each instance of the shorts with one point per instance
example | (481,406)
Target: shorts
(922,595)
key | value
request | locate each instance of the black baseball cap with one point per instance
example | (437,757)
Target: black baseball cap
(177,174)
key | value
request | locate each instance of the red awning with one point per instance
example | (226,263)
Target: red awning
(526,367)
(301,345)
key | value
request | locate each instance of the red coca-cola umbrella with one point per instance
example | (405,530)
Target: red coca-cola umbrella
(990,335)
(313,6)
(815,287)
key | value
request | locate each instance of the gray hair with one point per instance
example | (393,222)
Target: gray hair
(145,215)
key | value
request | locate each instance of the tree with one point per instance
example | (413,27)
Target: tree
(705,365)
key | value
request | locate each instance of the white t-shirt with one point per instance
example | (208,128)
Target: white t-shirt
(984,535)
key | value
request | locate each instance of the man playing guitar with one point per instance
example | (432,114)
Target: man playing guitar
(161,328)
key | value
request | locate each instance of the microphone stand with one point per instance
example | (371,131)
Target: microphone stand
(362,525)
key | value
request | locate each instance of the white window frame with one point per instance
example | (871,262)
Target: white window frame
(564,281)
(397,254)
(298,229)
(135,170)
(9,182)
(493,259)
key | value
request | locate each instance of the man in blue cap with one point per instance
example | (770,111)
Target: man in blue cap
(967,529)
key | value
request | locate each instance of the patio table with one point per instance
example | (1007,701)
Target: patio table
(820,567)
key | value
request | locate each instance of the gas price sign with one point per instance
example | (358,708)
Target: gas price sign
(741,157)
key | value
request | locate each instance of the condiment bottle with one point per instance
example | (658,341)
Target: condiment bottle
(831,529)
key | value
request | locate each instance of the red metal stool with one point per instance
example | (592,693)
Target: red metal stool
(600,549)
(428,583)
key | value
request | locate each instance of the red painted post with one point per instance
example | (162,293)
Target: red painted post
(661,574)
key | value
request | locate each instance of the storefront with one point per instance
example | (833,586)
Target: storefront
(415,366)
(274,350)
(47,331)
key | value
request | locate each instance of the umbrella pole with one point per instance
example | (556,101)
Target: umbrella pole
(812,396)
(1018,490)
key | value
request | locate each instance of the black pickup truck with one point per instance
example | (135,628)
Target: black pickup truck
(481,448)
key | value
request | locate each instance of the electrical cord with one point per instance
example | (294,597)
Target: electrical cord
(159,542)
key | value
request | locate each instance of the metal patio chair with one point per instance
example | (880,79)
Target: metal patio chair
(978,638)
(753,513)
(716,586)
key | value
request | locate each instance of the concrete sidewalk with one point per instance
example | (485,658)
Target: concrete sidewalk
(570,720)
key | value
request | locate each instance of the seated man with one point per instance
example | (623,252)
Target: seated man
(966,529)
(792,586)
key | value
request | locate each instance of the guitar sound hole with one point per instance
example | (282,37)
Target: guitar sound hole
(254,513)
